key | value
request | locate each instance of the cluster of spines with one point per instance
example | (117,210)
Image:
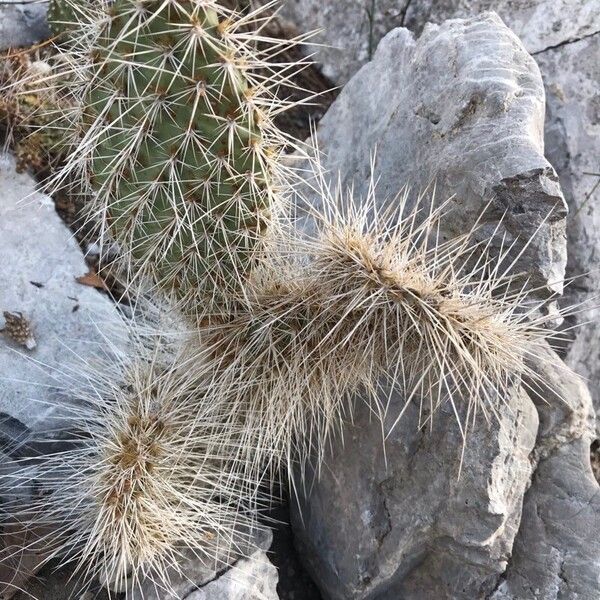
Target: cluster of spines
(174,109)
(26,105)
(147,478)
(377,305)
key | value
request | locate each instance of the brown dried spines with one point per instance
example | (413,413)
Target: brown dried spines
(18,328)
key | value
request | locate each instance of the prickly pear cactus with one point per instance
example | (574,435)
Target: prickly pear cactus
(178,143)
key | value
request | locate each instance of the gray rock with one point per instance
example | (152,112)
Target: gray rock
(462,106)
(227,577)
(40,261)
(540,24)
(350,31)
(347,33)
(22,23)
(571,74)
(252,578)
(557,551)
(409,523)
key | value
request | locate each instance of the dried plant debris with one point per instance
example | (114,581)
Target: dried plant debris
(27,102)
(18,329)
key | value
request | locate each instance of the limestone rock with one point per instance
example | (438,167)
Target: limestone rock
(540,24)
(350,31)
(463,107)
(22,23)
(347,32)
(571,74)
(40,263)
(409,523)
(557,551)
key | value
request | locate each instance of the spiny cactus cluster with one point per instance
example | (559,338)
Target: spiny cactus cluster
(171,138)
(372,307)
(178,148)
(147,478)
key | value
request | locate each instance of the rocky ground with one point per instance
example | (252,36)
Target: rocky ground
(495,108)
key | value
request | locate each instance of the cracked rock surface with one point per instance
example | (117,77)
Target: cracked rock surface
(463,104)
(572,76)
(350,31)
(556,554)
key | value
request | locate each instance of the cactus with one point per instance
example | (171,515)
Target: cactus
(377,305)
(179,148)
(62,17)
(176,146)
(144,478)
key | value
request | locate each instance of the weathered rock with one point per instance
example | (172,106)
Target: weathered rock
(40,262)
(463,105)
(350,31)
(347,32)
(408,523)
(22,23)
(557,551)
(571,74)
(252,578)
(540,24)
(227,577)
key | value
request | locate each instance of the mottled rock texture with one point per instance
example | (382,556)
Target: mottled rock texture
(350,31)
(572,77)
(408,523)
(540,24)
(40,263)
(22,23)
(556,554)
(463,105)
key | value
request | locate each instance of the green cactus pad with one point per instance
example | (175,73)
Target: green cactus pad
(61,17)
(179,147)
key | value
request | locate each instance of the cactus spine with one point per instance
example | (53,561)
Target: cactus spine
(147,475)
(372,307)
(27,105)
(179,149)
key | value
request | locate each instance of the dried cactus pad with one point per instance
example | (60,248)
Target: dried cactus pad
(178,143)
